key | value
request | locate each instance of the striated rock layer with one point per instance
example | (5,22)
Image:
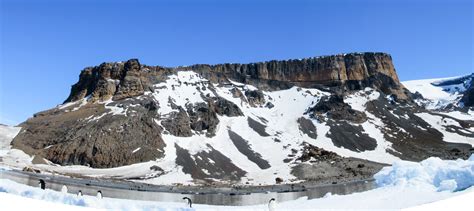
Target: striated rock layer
(342,72)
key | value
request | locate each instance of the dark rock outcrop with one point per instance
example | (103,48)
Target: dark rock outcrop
(255,97)
(132,83)
(199,167)
(203,118)
(200,117)
(224,107)
(93,136)
(336,109)
(178,124)
(349,136)
(257,127)
(307,127)
(310,152)
(242,145)
(116,80)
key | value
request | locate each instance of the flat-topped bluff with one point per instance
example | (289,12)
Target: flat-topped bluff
(199,120)
(325,70)
(340,72)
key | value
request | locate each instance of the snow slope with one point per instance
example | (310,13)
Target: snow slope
(16,202)
(7,133)
(9,156)
(403,185)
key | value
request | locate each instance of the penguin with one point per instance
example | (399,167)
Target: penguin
(99,194)
(42,184)
(64,189)
(271,204)
(188,202)
(79,193)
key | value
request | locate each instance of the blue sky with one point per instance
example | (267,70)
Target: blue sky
(45,44)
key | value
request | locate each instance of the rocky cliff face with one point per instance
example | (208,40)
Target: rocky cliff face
(325,70)
(341,72)
(115,80)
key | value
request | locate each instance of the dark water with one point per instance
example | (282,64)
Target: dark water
(123,190)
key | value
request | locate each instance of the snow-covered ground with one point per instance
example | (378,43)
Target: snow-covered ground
(403,185)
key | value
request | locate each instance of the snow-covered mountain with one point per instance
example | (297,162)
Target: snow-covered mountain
(322,119)
(444,93)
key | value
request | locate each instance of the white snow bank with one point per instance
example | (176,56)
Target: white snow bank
(14,202)
(64,199)
(442,175)
(461,202)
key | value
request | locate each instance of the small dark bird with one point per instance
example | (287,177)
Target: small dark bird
(79,193)
(99,194)
(271,204)
(188,202)
(42,184)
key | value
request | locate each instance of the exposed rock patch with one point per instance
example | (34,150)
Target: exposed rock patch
(201,168)
(255,98)
(224,107)
(316,164)
(350,136)
(244,148)
(199,117)
(336,109)
(236,93)
(307,127)
(257,127)
(202,118)
(310,152)
(178,124)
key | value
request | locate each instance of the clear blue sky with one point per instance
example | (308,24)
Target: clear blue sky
(45,44)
